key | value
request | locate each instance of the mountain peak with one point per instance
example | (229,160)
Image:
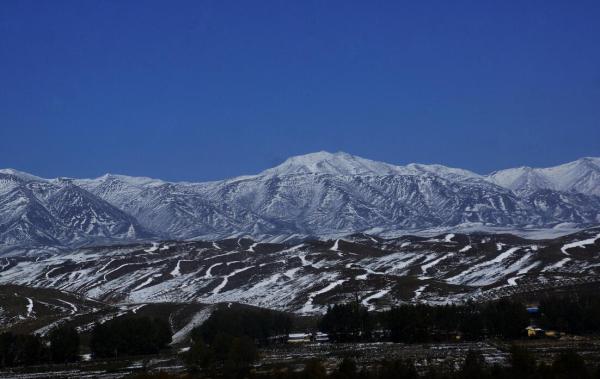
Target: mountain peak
(581,175)
(131,180)
(342,163)
(20,174)
(594,160)
(324,162)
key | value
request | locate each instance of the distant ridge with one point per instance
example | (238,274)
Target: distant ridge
(317,194)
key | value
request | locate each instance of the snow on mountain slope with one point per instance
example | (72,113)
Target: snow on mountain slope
(19,174)
(326,204)
(345,164)
(318,194)
(83,212)
(525,180)
(117,189)
(24,219)
(334,164)
(55,212)
(31,308)
(306,277)
(582,176)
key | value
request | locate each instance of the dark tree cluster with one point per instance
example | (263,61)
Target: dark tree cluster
(22,350)
(61,346)
(130,335)
(425,323)
(228,356)
(576,313)
(64,344)
(257,324)
(227,342)
(349,322)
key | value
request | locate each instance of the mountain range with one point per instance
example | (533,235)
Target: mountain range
(320,194)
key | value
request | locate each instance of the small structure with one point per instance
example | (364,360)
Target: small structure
(321,337)
(280,338)
(533,331)
(299,338)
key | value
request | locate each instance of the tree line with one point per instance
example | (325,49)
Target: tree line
(129,335)
(60,346)
(573,313)
(426,323)
(227,342)
(123,336)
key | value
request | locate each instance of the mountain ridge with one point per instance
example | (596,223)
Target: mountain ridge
(408,169)
(317,194)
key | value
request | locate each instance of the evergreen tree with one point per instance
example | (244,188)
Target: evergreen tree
(21,350)
(129,335)
(347,322)
(570,365)
(473,367)
(64,344)
(346,370)
(313,369)
(522,362)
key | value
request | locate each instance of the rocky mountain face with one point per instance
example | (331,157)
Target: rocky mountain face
(58,212)
(319,194)
(306,277)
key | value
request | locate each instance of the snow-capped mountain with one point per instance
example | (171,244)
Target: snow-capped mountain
(319,194)
(344,164)
(57,212)
(582,176)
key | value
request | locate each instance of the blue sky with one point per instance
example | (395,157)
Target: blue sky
(202,90)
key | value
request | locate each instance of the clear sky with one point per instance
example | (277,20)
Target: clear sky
(202,90)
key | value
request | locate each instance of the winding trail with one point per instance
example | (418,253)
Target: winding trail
(208,275)
(583,243)
(308,306)
(377,295)
(73,306)
(226,279)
